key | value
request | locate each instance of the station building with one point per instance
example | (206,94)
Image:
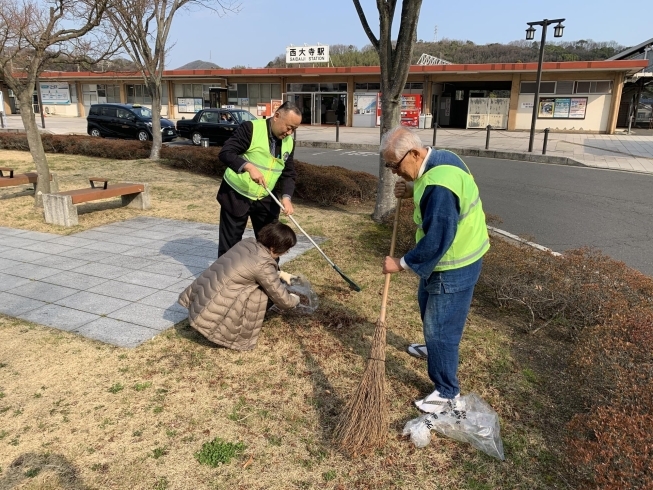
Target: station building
(579,96)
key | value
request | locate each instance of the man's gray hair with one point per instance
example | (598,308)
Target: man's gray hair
(289,107)
(398,141)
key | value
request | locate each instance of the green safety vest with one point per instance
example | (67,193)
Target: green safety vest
(471,240)
(259,154)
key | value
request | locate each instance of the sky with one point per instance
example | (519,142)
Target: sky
(262,29)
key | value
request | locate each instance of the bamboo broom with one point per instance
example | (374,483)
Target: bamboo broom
(363,426)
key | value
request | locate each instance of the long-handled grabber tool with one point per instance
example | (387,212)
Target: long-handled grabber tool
(351,283)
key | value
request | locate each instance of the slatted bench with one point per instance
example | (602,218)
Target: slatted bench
(60,207)
(9,179)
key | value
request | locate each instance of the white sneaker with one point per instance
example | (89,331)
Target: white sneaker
(434,402)
(417,350)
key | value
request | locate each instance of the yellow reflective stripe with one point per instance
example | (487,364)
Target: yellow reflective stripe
(478,253)
(263,167)
(471,206)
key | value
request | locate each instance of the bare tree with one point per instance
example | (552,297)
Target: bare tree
(35,34)
(395,64)
(143,27)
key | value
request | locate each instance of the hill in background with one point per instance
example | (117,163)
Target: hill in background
(457,51)
(199,65)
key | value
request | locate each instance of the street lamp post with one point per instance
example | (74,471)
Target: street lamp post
(530,34)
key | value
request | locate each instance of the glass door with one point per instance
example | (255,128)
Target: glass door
(317,111)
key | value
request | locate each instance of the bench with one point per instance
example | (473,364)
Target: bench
(60,207)
(9,179)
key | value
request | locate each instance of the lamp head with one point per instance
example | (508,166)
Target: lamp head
(557,30)
(530,33)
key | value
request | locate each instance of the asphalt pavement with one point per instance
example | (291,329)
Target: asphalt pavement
(558,206)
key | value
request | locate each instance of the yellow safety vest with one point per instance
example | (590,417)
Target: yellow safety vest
(471,240)
(259,154)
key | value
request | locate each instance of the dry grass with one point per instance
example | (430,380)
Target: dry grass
(76,413)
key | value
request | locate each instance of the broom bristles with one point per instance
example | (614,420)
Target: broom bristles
(364,423)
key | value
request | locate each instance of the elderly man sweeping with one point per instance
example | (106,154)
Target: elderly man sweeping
(451,240)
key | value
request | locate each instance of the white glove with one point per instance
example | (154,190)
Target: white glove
(286,277)
(295,299)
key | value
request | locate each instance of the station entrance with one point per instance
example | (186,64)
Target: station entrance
(320,107)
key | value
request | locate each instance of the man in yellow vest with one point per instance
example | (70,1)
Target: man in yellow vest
(259,153)
(451,240)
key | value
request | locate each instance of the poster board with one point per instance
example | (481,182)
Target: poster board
(190,104)
(562,108)
(55,93)
(274,105)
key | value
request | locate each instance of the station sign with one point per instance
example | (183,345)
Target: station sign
(307,54)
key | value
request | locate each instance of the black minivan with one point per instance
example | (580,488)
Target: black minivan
(126,121)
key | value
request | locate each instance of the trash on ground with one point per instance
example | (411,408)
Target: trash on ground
(465,419)
(308,301)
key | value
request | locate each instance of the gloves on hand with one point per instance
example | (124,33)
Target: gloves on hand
(286,277)
(295,298)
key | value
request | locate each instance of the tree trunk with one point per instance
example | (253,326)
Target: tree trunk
(395,65)
(35,144)
(385,199)
(157,137)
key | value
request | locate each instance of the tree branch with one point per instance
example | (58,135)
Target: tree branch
(366,27)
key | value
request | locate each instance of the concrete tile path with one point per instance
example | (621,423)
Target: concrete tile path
(117,283)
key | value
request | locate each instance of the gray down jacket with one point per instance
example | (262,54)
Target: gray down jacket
(227,302)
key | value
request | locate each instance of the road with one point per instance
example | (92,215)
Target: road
(557,206)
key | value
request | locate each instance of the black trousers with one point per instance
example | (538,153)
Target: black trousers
(232,227)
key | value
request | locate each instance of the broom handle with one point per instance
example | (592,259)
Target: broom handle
(386,287)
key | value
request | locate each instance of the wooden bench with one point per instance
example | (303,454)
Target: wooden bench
(9,179)
(60,207)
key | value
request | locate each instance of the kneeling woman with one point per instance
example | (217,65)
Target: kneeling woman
(228,301)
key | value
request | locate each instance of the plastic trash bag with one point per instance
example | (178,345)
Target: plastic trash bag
(302,286)
(466,419)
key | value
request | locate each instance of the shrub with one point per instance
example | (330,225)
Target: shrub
(324,185)
(610,445)
(405,227)
(581,288)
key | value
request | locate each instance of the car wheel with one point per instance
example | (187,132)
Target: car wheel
(196,138)
(95,132)
(143,135)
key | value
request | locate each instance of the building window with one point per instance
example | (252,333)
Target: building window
(565,87)
(138,94)
(593,87)
(318,87)
(545,87)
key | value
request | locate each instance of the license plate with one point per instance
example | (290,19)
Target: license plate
(170,131)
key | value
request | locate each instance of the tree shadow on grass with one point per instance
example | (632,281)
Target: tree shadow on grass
(352,334)
(27,466)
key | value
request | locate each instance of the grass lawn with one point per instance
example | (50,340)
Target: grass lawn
(77,414)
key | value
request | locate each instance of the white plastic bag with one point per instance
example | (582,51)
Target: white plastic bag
(301,285)
(465,419)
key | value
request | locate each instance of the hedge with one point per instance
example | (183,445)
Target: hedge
(323,185)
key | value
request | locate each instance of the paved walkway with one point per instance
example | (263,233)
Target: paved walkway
(117,283)
(632,152)
(621,151)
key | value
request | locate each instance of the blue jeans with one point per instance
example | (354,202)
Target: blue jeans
(444,300)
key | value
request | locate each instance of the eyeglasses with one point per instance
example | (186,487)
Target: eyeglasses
(395,166)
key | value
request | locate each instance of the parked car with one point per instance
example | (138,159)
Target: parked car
(215,124)
(126,121)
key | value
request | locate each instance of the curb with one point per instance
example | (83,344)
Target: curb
(509,237)
(471,152)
